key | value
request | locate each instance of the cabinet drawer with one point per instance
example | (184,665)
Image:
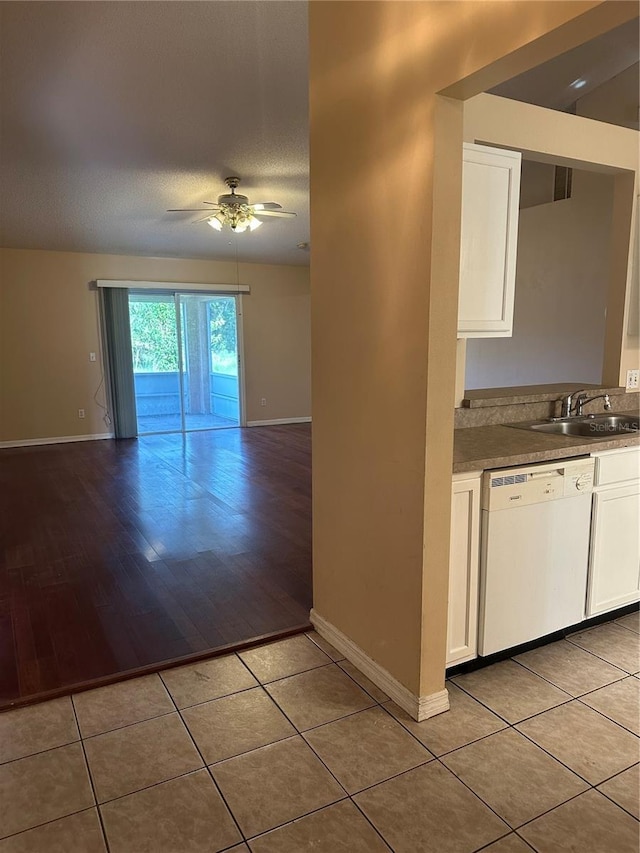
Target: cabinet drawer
(617,466)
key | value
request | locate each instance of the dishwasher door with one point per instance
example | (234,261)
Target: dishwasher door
(535,534)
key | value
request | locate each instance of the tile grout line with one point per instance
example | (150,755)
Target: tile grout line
(553,757)
(291,675)
(510,726)
(127,726)
(152,785)
(39,752)
(297,734)
(590,787)
(318,646)
(599,657)
(495,713)
(633,630)
(610,719)
(327,722)
(515,829)
(513,832)
(47,822)
(579,698)
(571,698)
(371,823)
(155,784)
(300,734)
(559,761)
(206,768)
(377,701)
(477,796)
(524,840)
(612,800)
(548,811)
(351,797)
(623,675)
(619,773)
(91,782)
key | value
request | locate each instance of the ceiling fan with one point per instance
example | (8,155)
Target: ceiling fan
(234,210)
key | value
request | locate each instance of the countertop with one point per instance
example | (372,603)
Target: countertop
(499,446)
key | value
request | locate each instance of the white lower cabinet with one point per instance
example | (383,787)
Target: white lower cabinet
(614,559)
(464,562)
(614,554)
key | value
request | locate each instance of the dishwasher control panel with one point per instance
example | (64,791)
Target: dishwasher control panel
(534,484)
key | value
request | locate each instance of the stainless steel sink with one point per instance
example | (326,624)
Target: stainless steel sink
(590,426)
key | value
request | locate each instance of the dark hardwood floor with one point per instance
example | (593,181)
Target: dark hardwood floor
(120,555)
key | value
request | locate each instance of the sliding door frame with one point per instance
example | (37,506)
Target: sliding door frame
(240,355)
(237,300)
(181,365)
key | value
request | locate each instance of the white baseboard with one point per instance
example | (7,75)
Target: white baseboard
(279,421)
(58,439)
(418,707)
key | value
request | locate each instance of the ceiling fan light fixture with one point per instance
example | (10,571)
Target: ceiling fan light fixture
(234,211)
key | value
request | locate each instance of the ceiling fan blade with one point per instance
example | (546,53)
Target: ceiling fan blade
(284,214)
(214,203)
(266,205)
(204,219)
(190,210)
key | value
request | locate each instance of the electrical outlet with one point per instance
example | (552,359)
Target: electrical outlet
(633,380)
(263,401)
(92,356)
(80,413)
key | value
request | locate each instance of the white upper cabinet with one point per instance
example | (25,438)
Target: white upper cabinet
(490,199)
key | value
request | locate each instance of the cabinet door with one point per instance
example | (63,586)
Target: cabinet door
(490,198)
(614,563)
(462,625)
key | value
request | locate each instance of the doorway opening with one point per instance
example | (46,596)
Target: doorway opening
(186,363)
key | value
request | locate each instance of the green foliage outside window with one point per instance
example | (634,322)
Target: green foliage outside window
(154,339)
(222,324)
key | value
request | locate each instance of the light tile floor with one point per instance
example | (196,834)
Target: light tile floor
(288,748)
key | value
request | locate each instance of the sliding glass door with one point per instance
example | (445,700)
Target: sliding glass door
(210,388)
(185,361)
(156,361)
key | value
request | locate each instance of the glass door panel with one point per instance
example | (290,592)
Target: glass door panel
(210,383)
(156,363)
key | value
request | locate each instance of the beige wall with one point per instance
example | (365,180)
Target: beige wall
(383,366)
(561,294)
(49,325)
(617,101)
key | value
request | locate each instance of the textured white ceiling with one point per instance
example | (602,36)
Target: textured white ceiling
(113,112)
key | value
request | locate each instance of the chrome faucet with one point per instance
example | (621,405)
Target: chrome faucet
(573,403)
(582,399)
(568,404)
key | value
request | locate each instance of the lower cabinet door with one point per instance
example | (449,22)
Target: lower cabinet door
(614,562)
(462,625)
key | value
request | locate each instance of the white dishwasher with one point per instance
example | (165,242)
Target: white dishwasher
(535,551)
